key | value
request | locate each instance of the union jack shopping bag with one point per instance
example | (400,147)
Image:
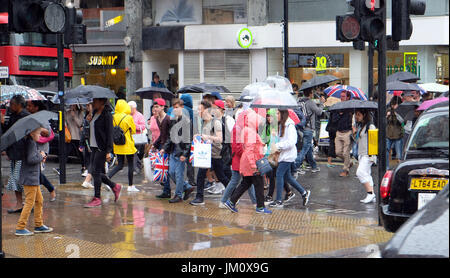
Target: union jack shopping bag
(197,139)
(161,165)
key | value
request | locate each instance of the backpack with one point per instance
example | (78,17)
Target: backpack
(304,110)
(118,134)
(225,153)
(301,125)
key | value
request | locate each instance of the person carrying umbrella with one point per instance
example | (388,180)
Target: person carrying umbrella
(364,120)
(35,106)
(394,130)
(15,152)
(101,140)
(343,133)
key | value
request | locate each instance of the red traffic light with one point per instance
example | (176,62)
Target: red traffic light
(350,27)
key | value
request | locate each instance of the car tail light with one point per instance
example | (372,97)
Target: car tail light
(385,186)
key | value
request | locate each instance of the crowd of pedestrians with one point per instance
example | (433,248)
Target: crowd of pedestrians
(239,137)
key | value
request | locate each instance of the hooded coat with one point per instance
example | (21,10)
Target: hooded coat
(252,144)
(125,121)
(287,143)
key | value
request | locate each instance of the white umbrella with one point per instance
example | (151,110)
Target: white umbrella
(434,87)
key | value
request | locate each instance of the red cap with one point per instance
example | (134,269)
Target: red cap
(219,103)
(160,102)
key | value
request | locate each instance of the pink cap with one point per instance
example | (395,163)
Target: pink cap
(219,103)
(160,102)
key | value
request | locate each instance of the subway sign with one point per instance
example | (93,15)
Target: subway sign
(103,60)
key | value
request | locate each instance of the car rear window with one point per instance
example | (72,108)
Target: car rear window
(431,131)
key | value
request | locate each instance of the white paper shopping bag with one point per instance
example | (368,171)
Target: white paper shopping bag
(202,155)
(148,169)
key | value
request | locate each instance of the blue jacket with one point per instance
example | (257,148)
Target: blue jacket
(159,85)
(188,104)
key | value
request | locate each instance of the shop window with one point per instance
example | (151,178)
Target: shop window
(224,12)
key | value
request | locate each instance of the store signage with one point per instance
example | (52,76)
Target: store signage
(102,60)
(410,64)
(245,38)
(113,21)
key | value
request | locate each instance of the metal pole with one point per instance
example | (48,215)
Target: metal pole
(370,54)
(62,133)
(286,39)
(2,254)
(381,112)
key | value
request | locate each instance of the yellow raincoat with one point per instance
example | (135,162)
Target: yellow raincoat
(128,127)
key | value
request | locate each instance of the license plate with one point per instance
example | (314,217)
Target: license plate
(427,184)
(424,198)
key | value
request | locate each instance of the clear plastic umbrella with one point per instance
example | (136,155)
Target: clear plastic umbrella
(273,98)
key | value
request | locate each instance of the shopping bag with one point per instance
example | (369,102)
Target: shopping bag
(161,165)
(140,139)
(152,156)
(202,155)
(197,139)
(148,169)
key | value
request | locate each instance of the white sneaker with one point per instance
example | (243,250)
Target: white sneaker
(85,173)
(369,199)
(87,185)
(218,189)
(106,168)
(132,189)
(222,205)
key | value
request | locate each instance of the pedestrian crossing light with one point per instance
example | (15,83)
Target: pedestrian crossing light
(401,23)
(371,19)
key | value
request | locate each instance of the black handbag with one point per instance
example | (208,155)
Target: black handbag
(263,166)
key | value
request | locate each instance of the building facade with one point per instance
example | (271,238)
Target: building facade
(197,42)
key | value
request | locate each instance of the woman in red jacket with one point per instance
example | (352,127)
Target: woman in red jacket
(252,146)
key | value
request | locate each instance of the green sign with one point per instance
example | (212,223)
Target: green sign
(245,38)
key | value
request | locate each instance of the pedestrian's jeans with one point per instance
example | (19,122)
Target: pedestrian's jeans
(397,144)
(176,173)
(33,198)
(284,174)
(46,183)
(307,151)
(235,180)
(217,167)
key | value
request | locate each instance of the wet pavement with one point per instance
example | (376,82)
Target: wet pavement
(334,224)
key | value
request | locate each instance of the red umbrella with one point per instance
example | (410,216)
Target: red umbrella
(293,116)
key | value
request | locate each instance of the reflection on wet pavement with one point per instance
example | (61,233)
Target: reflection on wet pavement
(140,225)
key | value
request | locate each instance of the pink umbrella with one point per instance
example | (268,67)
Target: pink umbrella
(427,104)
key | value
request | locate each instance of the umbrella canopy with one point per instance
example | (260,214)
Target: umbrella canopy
(90,91)
(251,91)
(434,87)
(406,109)
(402,76)
(426,104)
(8,91)
(402,86)
(353,105)
(150,92)
(279,83)
(203,88)
(318,80)
(25,126)
(335,91)
(72,101)
(271,98)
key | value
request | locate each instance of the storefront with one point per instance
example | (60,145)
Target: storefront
(106,69)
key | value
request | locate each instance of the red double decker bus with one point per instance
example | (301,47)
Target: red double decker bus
(32,60)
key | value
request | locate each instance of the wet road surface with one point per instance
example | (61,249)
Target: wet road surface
(334,224)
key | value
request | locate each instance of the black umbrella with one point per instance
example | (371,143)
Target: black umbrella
(25,126)
(90,91)
(402,76)
(406,109)
(402,86)
(203,88)
(318,80)
(149,92)
(353,105)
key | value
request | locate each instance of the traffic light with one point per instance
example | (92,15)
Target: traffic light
(371,19)
(75,32)
(365,24)
(46,17)
(401,23)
